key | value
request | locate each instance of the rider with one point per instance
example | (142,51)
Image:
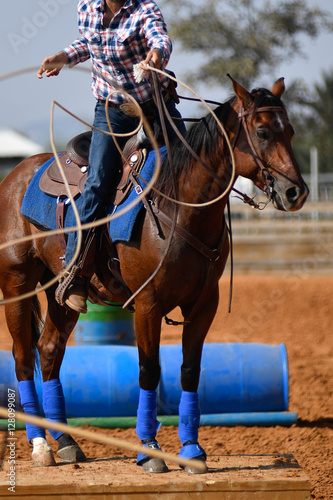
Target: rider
(115,35)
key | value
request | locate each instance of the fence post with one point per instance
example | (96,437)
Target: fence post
(314,173)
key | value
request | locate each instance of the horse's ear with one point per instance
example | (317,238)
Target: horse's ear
(244,97)
(278,88)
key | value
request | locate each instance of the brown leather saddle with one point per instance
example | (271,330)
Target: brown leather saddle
(74,162)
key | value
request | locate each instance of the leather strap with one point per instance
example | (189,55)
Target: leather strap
(64,284)
(210,271)
(211,255)
(77,269)
(146,202)
(60,224)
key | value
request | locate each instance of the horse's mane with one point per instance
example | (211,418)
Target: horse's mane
(200,137)
(203,137)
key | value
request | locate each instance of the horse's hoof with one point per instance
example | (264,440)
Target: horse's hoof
(72,454)
(151,464)
(155,465)
(69,450)
(43,459)
(193,450)
(191,469)
(42,455)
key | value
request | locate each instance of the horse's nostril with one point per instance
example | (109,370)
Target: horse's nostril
(292,194)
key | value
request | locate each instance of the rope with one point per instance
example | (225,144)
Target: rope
(160,103)
(79,227)
(149,186)
(220,125)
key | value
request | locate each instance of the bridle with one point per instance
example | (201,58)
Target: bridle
(267,175)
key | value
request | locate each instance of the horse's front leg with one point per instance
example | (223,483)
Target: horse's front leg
(194,335)
(59,323)
(148,330)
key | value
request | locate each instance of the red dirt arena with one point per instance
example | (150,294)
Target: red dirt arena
(291,307)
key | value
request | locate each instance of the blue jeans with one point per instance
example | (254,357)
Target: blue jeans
(104,160)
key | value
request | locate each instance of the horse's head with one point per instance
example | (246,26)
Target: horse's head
(262,146)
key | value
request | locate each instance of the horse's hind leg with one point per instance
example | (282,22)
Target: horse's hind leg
(22,320)
(59,323)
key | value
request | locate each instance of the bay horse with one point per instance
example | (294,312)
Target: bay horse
(258,127)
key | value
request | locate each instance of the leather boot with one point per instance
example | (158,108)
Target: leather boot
(76,295)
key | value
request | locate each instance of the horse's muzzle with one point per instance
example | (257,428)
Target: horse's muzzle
(289,198)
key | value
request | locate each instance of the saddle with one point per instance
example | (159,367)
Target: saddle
(74,162)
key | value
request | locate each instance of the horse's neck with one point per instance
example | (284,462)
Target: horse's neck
(202,185)
(206,220)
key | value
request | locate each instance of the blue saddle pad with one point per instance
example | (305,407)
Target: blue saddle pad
(40,208)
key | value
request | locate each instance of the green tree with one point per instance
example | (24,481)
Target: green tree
(246,38)
(313,121)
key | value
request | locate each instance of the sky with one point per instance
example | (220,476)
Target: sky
(39,28)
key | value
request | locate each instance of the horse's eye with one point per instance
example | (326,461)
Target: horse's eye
(262,134)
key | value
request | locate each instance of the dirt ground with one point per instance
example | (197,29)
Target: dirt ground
(294,308)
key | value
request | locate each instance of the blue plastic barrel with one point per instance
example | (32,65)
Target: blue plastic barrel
(7,377)
(104,325)
(102,381)
(235,377)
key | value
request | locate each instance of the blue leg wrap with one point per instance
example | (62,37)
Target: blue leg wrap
(29,402)
(189,421)
(147,424)
(54,404)
(189,417)
(192,451)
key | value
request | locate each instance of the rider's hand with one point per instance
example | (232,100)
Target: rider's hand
(156,57)
(52,65)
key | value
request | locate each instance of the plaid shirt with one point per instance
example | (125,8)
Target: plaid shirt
(137,28)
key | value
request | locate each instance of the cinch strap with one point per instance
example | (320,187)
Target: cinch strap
(29,402)
(147,424)
(54,404)
(189,417)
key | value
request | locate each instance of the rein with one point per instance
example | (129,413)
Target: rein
(267,175)
(211,255)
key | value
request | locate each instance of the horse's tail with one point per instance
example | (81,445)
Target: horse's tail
(36,325)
